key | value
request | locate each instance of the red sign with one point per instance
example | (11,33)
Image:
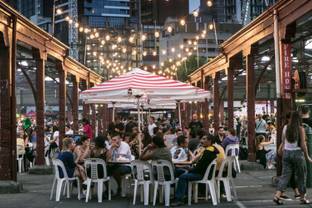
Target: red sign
(286,70)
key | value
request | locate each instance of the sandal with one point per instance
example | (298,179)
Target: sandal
(278,200)
(297,196)
(304,201)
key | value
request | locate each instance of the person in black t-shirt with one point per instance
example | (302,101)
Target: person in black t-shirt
(195,126)
(203,159)
(305,116)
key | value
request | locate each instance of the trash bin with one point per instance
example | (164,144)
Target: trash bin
(308,131)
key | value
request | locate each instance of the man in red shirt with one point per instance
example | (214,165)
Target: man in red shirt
(87,130)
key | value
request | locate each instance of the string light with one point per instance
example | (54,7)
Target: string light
(182,22)
(157,34)
(209,3)
(169,29)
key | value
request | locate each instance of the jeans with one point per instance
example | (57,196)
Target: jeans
(183,182)
(293,162)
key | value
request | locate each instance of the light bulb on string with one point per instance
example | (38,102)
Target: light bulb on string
(169,29)
(209,3)
(210,26)
(182,22)
(157,34)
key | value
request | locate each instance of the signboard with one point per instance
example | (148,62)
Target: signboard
(286,70)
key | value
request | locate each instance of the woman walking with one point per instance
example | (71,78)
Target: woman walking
(293,149)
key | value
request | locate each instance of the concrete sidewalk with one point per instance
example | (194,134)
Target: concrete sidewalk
(253,187)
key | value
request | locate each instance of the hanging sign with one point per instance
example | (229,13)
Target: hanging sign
(286,70)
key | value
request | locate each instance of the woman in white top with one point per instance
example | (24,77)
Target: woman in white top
(293,149)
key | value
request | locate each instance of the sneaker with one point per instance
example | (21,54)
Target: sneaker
(285,198)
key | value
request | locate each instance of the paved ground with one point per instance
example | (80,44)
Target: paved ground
(253,187)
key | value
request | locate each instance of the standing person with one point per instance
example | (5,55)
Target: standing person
(238,127)
(305,116)
(195,125)
(261,126)
(130,124)
(87,130)
(294,149)
(151,126)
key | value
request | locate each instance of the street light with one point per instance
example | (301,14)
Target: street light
(54,12)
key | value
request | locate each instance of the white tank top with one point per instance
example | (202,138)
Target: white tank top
(288,145)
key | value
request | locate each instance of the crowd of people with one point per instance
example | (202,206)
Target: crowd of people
(162,139)
(159,140)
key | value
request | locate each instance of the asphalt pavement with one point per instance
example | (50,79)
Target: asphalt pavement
(254,189)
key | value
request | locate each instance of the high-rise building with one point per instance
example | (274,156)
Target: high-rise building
(236,11)
(154,14)
(157,11)
(105,13)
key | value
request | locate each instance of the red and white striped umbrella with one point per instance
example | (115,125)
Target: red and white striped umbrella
(138,82)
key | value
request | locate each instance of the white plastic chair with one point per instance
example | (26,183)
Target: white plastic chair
(20,162)
(232,150)
(93,164)
(226,176)
(208,179)
(142,175)
(161,166)
(58,180)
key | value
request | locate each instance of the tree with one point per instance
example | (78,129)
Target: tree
(189,66)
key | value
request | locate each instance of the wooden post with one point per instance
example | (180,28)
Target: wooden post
(216,101)
(8,104)
(230,97)
(62,101)
(251,101)
(40,58)
(75,81)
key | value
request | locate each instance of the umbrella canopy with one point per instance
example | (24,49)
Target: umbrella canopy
(138,83)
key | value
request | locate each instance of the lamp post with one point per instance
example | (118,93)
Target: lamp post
(54,12)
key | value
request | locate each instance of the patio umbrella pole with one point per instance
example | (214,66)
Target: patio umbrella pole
(113,116)
(179,111)
(139,124)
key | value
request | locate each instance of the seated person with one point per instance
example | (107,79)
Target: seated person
(266,152)
(67,157)
(20,144)
(260,151)
(156,150)
(230,138)
(181,153)
(82,151)
(99,151)
(170,138)
(197,173)
(119,150)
